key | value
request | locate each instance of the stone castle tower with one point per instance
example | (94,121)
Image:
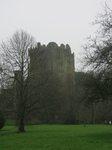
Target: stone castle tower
(57,59)
(56,64)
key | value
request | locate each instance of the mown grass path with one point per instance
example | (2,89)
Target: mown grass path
(57,137)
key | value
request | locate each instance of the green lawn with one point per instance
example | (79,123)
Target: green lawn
(57,137)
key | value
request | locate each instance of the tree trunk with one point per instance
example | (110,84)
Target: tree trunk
(21,125)
(93,114)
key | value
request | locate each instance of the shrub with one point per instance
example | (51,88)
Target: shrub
(2,120)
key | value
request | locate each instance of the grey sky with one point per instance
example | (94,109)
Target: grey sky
(61,21)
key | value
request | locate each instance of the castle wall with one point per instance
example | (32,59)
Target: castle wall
(57,59)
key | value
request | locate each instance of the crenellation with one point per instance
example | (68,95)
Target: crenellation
(68,48)
(62,46)
(52,45)
(38,45)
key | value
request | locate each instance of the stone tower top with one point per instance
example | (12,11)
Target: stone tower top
(52,45)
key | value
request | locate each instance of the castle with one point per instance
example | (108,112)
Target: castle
(57,59)
(57,64)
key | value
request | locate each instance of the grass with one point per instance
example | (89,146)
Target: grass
(10,122)
(57,137)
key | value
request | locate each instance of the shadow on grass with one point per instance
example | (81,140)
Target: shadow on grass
(7,131)
(104,137)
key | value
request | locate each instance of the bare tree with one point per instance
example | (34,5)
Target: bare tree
(24,85)
(98,51)
(15,71)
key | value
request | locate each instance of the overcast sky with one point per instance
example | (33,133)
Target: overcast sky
(61,21)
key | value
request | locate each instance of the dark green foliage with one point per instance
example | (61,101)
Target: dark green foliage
(2,120)
(70,118)
(80,78)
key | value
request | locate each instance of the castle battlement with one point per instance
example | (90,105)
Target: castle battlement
(56,58)
(52,46)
